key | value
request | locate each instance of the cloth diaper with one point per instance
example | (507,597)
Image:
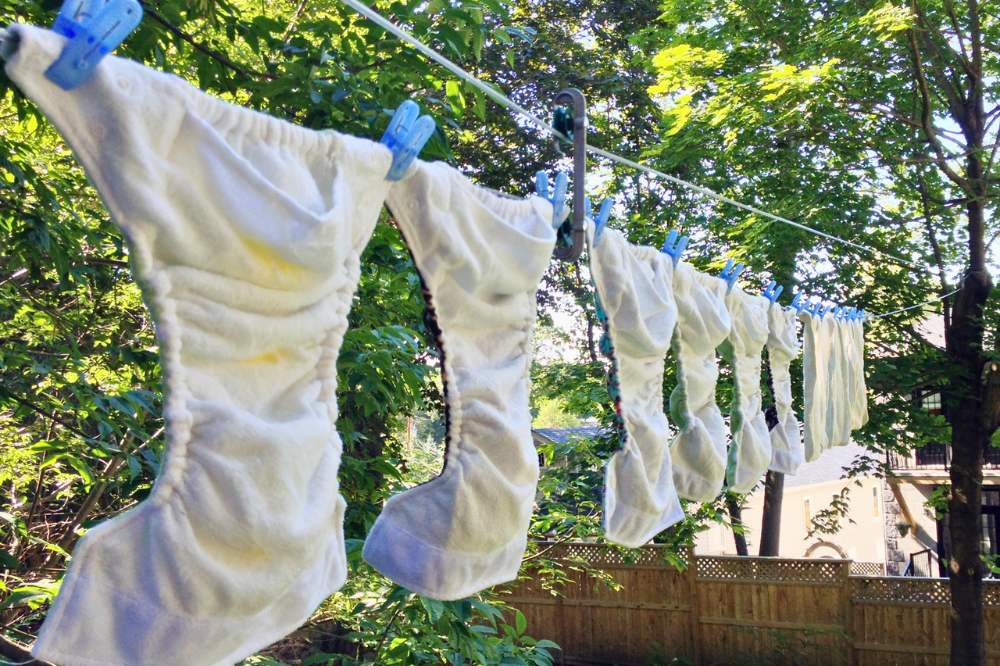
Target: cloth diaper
(838,414)
(859,403)
(816,352)
(750,447)
(782,348)
(698,452)
(244,233)
(481,257)
(636,305)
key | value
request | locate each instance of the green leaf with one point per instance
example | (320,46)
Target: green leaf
(521,622)
(434,608)
(453,91)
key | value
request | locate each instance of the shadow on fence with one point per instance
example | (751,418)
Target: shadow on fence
(744,611)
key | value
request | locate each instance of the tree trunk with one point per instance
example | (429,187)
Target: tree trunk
(972,425)
(735,517)
(770,527)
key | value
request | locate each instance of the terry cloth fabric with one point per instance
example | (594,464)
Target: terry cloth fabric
(698,452)
(750,447)
(480,257)
(816,353)
(859,405)
(782,348)
(636,305)
(244,233)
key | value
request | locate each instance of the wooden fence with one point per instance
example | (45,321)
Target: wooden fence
(743,611)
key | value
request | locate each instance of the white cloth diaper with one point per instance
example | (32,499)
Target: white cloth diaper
(481,257)
(782,348)
(750,447)
(244,233)
(636,305)
(816,351)
(859,402)
(698,452)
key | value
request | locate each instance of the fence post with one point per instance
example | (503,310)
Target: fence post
(851,656)
(695,607)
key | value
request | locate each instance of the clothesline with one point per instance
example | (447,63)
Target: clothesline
(503,100)
(913,307)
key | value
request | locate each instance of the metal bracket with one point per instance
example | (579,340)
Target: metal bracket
(577,233)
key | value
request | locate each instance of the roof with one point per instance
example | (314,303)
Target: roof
(828,467)
(563,435)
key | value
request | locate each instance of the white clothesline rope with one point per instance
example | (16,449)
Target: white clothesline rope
(913,307)
(503,100)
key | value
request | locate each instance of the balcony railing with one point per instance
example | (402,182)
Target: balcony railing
(936,457)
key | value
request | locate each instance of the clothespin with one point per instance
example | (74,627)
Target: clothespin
(825,310)
(406,137)
(93,28)
(557,198)
(813,309)
(800,302)
(575,128)
(675,248)
(730,273)
(602,217)
(863,315)
(772,292)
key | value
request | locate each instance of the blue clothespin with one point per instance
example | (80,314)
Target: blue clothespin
(602,217)
(557,198)
(406,137)
(863,315)
(773,292)
(799,302)
(94,29)
(813,309)
(825,310)
(730,273)
(675,248)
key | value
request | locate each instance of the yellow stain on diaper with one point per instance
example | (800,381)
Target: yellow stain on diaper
(270,267)
(263,359)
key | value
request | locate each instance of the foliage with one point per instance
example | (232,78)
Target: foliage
(805,109)
(659,656)
(551,413)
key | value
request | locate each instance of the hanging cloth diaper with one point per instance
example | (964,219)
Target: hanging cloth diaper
(750,447)
(636,306)
(859,402)
(698,452)
(816,352)
(244,233)
(480,257)
(782,348)
(838,415)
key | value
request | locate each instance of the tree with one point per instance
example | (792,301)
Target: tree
(873,122)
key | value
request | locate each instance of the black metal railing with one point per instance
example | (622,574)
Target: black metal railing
(936,457)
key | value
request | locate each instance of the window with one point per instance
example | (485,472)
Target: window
(932,403)
(807,513)
(875,500)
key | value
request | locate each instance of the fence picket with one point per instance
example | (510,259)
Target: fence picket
(721,607)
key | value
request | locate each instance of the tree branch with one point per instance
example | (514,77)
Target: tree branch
(34,408)
(215,55)
(925,115)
